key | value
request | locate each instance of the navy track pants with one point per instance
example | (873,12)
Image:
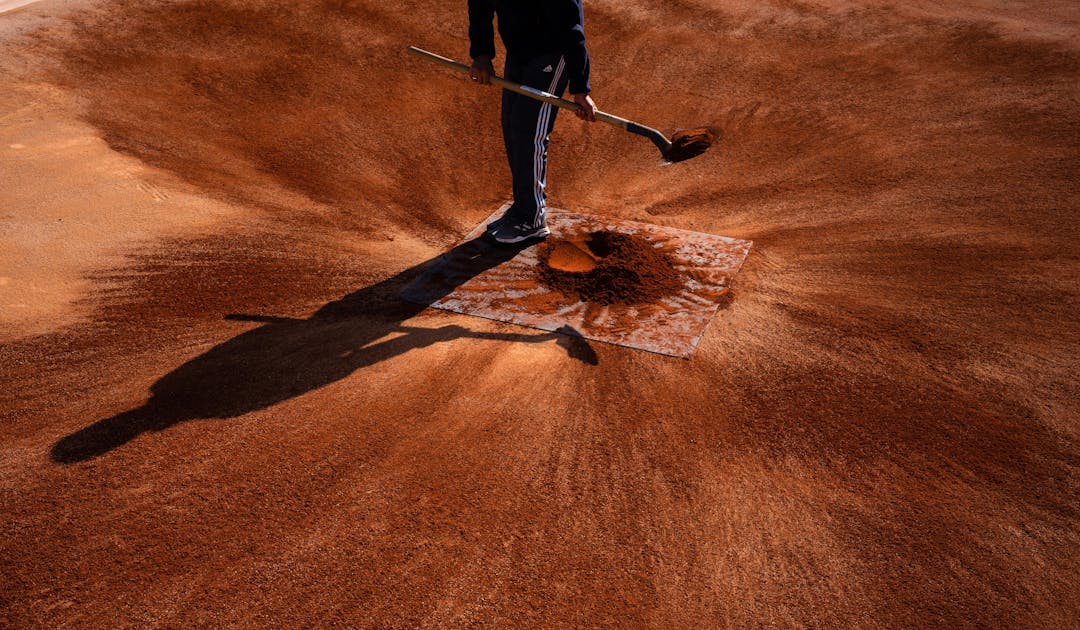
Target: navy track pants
(526,125)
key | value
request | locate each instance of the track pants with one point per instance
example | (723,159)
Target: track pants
(526,125)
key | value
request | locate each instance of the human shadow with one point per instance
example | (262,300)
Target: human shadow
(288,357)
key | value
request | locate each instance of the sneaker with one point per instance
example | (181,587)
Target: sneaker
(502,220)
(494,225)
(509,233)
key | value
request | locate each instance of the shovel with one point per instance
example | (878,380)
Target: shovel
(682,146)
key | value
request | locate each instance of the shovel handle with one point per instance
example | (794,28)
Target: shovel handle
(539,95)
(657,138)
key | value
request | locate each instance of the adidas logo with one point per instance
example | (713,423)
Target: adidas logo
(548,69)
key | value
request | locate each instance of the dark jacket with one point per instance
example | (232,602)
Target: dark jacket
(529,28)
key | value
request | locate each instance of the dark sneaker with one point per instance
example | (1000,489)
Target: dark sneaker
(504,218)
(494,225)
(509,233)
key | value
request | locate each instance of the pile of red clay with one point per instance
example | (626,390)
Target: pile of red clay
(609,268)
(690,143)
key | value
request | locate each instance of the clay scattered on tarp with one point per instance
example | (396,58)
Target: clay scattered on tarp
(628,269)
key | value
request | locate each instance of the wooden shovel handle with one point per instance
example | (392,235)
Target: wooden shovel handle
(654,136)
(539,95)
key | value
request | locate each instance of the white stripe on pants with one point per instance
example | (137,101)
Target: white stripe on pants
(539,164)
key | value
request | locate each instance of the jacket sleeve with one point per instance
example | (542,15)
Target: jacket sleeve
(569,17)
(481,31)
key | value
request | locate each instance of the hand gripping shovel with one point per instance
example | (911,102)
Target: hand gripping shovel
(682,146)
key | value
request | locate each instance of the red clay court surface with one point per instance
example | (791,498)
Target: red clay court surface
(215,410)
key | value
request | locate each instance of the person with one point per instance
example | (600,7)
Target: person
(545,49)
